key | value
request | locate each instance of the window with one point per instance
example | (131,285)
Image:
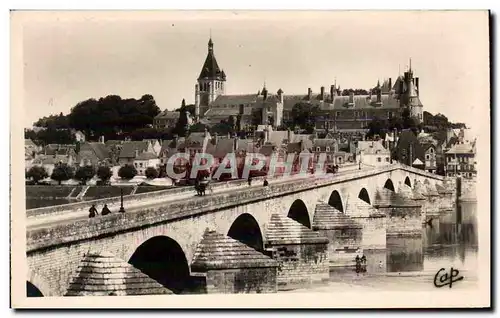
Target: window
(389,114)
(337,114)
(327,149)
(318,149)
(431,150)
(386,159)
(379,159)
(135,164)
(427,156)
(355,114)
(140,165)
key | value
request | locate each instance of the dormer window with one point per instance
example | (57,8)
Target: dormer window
(328,149)
(318,149)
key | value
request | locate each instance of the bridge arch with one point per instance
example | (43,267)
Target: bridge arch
(363,195)
(298,212)
(37,286)
(163,259)
(335,201)
(389,185)
(247,230)
(32,290)
(407,181)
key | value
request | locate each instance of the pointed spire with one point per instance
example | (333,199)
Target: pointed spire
(378,83)
(410,65)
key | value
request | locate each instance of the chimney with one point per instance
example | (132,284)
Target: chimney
(379,95)
(332,91)
(417,85)
(351,98)
(390,83)
(309,93)
(137,153)
(322,90)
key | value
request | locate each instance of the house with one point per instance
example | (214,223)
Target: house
(131,149)
(144,160)
(50,162)
(79,136)
(408,149)
(58,149)
(155,144)
(166,119)
(30,146)
(461,161)
(93,153)
(169,148)
(430,163)
(327,146)
(372,153)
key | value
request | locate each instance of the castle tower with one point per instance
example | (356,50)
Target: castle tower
(409,94)
(211,82)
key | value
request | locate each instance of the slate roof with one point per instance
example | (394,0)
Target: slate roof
(210,68)
(327,217)
(102,274)
(465,148)
(129,148)
(217,251)
(51,160)
(52,149)
(388,101)
(167,114)
(146,156)
(100,150)
(323,143)
(282,230)
(372,147)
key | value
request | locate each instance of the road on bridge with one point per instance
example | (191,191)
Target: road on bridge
(48,221)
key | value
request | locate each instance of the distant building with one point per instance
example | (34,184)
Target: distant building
(166,119)
(409,151)
(145,160)
(461,161)
(130,150)
(372,153)
(337,113)
(430,157)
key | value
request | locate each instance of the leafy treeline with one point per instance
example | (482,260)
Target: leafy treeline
(112,117)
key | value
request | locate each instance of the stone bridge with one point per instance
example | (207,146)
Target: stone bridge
(177,242)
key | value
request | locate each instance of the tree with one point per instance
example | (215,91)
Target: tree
(127,172)
(84,174)
(37,173)
(151,173)
(104,173)
(304,115)
(181,127)
(62,172)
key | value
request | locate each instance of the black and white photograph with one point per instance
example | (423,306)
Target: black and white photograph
(294,158)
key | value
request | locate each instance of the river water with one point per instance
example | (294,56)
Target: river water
(410,264)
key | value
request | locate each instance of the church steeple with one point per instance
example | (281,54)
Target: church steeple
(211,81)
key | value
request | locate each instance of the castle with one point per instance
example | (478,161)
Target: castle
(336,112)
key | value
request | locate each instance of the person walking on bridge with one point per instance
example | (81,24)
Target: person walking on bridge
(93,211)
(105,210)
(266,183)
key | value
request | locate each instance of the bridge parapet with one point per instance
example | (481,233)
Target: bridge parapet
(114,202)
(164,212)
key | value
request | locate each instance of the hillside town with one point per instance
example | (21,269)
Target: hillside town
(352,126)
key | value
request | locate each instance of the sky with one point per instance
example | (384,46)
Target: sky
(72,56)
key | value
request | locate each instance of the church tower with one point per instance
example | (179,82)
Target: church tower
(211,83)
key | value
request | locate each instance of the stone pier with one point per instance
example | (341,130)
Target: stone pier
(228,266)
(445,198)
(430,207)
(404,215)
(102,274)
(343,232)
(302,254)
